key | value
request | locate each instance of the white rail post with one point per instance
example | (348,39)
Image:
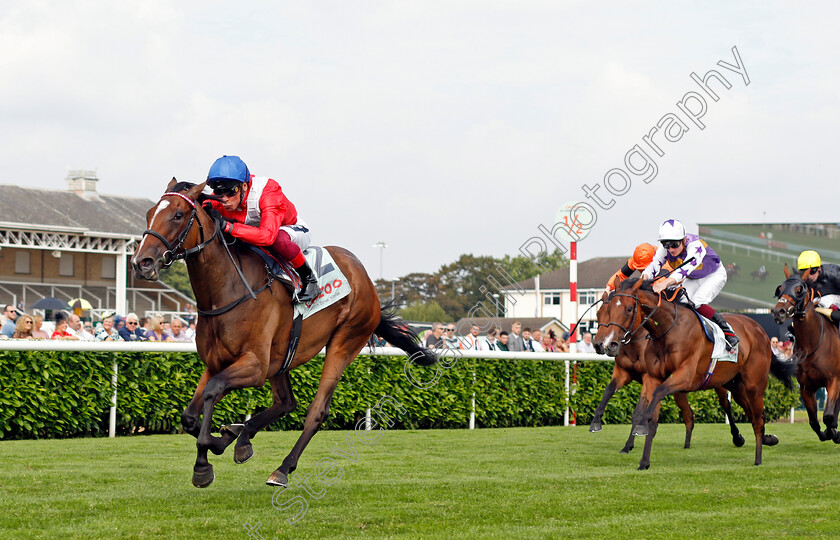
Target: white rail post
(367,419)
(472,413)
(112,423)
(568,390)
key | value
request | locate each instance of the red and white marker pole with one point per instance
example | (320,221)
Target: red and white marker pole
(573,338)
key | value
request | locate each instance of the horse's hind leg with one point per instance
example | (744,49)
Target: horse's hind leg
(681,399)
(283,403)
(339,355)
(723,399)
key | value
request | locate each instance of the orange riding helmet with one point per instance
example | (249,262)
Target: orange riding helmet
(642,257)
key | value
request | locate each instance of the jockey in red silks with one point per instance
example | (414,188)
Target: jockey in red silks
(256,211)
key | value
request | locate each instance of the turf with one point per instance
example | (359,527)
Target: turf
(549,482)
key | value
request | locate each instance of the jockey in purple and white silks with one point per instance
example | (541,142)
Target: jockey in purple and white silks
(702,275)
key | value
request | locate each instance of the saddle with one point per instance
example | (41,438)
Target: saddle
(279,269)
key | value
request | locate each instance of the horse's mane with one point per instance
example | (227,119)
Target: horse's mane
(647,285)
(186,186)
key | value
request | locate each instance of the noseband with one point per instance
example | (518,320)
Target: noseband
(796,307)
(172,252)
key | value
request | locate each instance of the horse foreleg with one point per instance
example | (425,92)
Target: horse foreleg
(681,399)
(245,372)
(190,418)
(723,399)
(808,395)
(339,355)
(620,378)
(676,382)
(644,463)
(283,402)
(634,421)
(832,390)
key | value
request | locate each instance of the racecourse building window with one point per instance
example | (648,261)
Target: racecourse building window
(552,299)
(65,265)
(588,297)
(22,262)
(109,267)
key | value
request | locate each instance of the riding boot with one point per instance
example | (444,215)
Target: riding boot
(309,284)
(731,339)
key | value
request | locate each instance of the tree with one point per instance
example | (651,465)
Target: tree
(176,276)
(423,312)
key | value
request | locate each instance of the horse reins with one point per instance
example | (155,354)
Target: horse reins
(172,254)
(794,311)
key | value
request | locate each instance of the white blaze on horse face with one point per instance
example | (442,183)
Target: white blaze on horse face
(608,339)
(160,206)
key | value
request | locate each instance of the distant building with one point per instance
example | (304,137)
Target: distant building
(77,244)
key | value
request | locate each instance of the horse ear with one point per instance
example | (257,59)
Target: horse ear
(787,272)
(171,184)
(637,285)
(605,296)
(194,192)
(805,274)
(779,289)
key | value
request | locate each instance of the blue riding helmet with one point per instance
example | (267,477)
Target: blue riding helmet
(228,168)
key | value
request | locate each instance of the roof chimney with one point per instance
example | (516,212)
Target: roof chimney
(82,183)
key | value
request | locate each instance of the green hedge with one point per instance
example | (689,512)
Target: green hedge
(64,394)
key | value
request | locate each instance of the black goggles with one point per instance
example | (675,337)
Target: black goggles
(225,191)
(671,244)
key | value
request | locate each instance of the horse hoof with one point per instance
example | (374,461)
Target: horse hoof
(595,428)
(822,436)
(738,440)
(644,467)
(277,478)
(771,440)
(203,476)
(640,431)
(243,453)
(232,429)
(625,450)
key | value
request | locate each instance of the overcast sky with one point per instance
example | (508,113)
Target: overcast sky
(440,128)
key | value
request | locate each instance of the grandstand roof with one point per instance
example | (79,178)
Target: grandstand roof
(45,209)
(592,274)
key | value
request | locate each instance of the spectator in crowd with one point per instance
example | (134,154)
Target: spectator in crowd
(167,330)
(536,335)
(131,331)
(155,330)
(37,333)
(787,350)
(60,331)
(75,328)
(562,344)
(528,344)
(450,340)
(775,347)
(144,325)
(434,339)
(471,342)
(491,342)
(107,332)
(586,345)
(178,333)
(88,327)
(548,342)
(190,329)
(119,322)
(515,339)
(10,315)
(502,344)
(24,327)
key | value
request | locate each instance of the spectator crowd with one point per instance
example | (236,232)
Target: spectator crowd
(443,336)
(16,324)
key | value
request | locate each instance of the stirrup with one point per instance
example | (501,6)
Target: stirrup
(730,338)
(303,297)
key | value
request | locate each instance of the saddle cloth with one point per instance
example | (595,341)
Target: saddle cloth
(714,334)
(331,280)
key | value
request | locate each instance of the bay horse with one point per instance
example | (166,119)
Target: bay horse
(244,323)
(678,357)
(817,351)
(630,366)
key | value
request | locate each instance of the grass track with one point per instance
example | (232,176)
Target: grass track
(524,482)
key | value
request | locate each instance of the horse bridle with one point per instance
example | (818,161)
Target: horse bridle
(172,254)
(793,310)
(628,334)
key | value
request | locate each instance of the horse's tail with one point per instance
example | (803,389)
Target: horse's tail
(396,332)
(784,370)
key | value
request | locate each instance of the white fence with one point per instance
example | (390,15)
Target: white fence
(151,346)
